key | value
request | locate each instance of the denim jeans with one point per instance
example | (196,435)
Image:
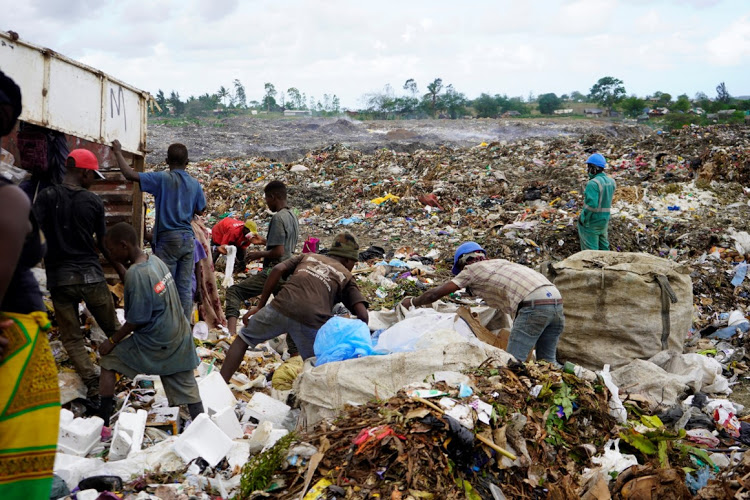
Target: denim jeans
(538,326)
(176,249)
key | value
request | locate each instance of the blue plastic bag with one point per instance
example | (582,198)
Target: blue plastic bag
(340,339)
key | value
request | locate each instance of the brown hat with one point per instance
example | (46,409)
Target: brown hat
(346,246)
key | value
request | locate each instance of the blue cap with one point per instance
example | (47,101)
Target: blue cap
(597,160)
(464,248)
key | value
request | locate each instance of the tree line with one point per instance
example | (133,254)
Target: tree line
(234,99)
(439,100)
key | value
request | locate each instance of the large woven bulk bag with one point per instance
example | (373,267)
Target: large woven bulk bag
(621,306)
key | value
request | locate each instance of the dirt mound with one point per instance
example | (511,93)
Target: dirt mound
(340,127)
(400,134)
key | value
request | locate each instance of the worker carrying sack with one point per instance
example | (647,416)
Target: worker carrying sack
(621,306)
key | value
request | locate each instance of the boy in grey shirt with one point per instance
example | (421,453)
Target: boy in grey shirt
(280,243)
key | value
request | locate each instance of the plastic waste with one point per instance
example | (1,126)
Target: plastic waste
(310,245)
(464,391)
(612,459)
(699,481)
(730,331)
(739,273)
(200,330)
(340,339)
(616,409)
(579,371)
(231,257)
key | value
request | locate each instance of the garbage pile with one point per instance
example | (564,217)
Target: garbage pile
(669,426)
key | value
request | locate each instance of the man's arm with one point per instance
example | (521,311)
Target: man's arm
(360,311)
(14,226)
(431,296)
(274,253)
(279,271)
(109,344)
(127,171)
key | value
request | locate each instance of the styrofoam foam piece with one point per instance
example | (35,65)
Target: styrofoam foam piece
(72,468)
(203,439)
(128,434)
(90,494)
(215,393)
(227,421)
(238,455)
(79,435)
(264,408)
(276,434)
(260,436)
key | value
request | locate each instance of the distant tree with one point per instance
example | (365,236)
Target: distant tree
(576,96)
(682,104)
(223,94)
(335,104)
(662,98)
(531,97)
(486,106)
(161,100)
(240,98)
(311,105)
(411,87)
(177,104)
(700,96)
(608,91)
(565,97)
(295,98)
(722,94)
(633,106)
(548,103)
(453,102)
(269,98)
(433,89)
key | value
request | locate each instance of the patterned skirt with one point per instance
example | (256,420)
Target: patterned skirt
(29,408)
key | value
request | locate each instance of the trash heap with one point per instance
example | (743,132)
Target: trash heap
(667,427)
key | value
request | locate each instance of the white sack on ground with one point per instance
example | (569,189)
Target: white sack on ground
(323,390)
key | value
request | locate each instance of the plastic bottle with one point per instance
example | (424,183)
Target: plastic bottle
(579,371)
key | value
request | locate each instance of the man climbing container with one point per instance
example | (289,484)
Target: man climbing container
(593,225)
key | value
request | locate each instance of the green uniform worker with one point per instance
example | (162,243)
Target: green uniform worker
(594,221)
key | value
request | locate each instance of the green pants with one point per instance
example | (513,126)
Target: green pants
(594,239)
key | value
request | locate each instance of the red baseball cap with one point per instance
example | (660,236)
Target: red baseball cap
(83,158)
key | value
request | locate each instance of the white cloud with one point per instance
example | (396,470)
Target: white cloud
(650,22)
(578,17)
(732,46)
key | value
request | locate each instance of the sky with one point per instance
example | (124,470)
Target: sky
(352,48)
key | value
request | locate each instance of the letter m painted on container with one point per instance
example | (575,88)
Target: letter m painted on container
(118,103)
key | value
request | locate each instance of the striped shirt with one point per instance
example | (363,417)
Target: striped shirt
(501,283)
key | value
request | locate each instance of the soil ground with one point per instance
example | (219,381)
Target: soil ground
(287,139)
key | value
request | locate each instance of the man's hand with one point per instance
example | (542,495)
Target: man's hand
(255,239)
(222,249)
(251,256)
(106,347)
(116,146)
(6,323)
(246,317)
(407,303)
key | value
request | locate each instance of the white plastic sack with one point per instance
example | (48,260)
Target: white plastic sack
(703,373)
(404,335)
(229,270)
(323,390)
